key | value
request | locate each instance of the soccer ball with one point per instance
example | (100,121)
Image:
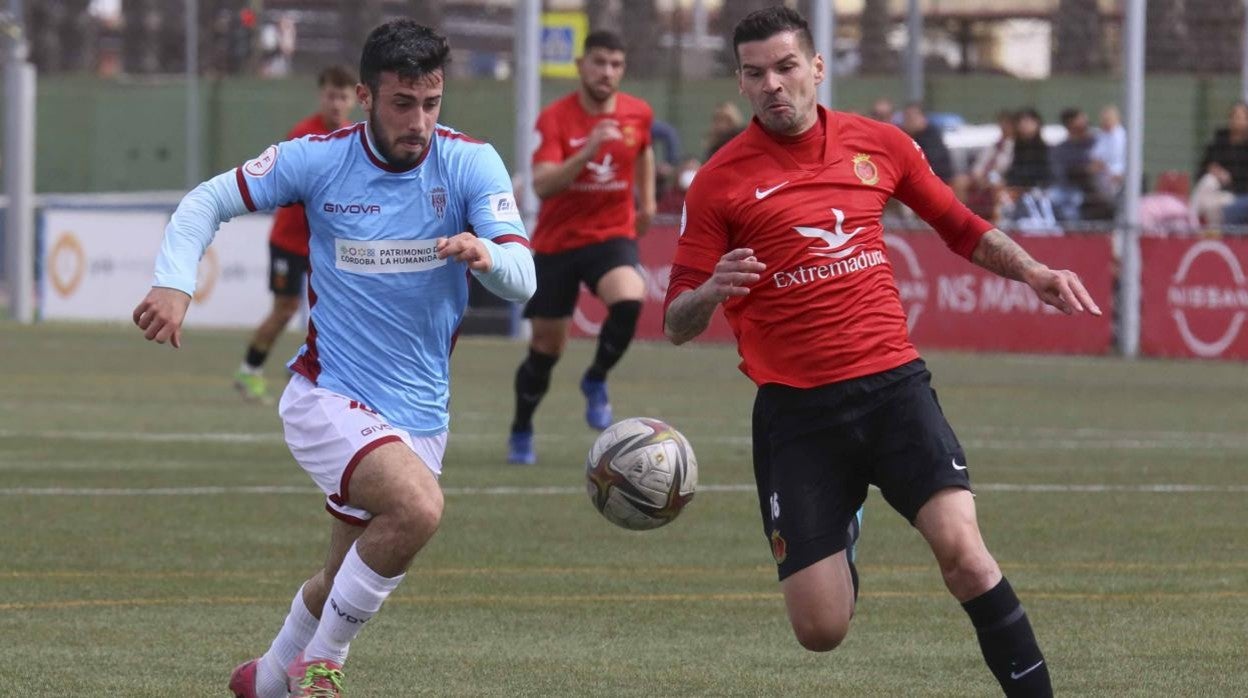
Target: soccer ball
(640,473)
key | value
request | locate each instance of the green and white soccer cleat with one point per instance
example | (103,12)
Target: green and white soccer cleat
(252,387)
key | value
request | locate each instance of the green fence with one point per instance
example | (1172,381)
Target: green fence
(98,135)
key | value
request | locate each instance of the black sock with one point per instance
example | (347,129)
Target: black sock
(532,380)
(255,358)
(617,331)
(1007,642)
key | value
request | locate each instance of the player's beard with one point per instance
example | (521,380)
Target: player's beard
(385,146)
(600,93)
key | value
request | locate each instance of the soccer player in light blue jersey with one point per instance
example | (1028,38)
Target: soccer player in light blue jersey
(388,203)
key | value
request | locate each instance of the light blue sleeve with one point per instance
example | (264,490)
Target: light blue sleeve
(495,218)
(513,276)
(192,227)
(278,176)
(273,178)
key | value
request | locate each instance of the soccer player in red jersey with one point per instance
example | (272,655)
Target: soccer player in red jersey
(594,146)
(782,227)
(288,240)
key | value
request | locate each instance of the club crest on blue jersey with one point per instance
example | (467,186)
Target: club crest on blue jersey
(437,199)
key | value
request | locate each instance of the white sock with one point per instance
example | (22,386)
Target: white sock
(357,594)
(298,629)
(248,368)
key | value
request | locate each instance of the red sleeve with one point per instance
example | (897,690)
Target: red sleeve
(703,230)
(647,138)
(920,189)
(548,146)
(682,279)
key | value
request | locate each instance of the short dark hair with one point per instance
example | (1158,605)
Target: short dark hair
(604,38)
(402,46)
(763,24)
(336,76)
(1069,114)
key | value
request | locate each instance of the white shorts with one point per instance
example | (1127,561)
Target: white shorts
(329,434)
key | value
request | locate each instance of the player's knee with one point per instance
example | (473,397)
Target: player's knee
(820,636)
(284,308)
(970,574)
(419,515)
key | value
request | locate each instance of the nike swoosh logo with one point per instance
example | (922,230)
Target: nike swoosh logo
(963,467)
(1026,671)
(761,194)
(578,142)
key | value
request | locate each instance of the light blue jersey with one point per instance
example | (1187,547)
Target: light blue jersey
(384,308)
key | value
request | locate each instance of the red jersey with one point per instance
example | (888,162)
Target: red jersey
(826,308)
(598,205)
(290,225)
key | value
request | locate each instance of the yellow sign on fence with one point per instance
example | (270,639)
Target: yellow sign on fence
(563,34)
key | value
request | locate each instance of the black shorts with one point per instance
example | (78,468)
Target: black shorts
(560,275)
(286,271)
(816,451)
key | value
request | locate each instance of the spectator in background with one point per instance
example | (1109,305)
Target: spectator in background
(1074,193)
(980,188)
(1029,167)
(882,110)
(1165,211)
(1027,177)
(663,135)
(726,123)
(674,198)
(1221,192)
(930,139)
(1109,153)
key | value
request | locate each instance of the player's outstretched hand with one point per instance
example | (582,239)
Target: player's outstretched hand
(1062,289)
(161,313)
(734,274)
(466,248)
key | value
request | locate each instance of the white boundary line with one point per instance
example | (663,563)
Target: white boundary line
(1166,488)
(1004,439)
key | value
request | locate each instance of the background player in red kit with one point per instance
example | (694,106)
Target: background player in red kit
(593,142)
(782,226)
(288,240)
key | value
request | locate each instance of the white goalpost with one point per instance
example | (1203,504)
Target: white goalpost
(19,168)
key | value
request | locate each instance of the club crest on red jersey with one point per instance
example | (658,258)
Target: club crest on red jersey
(437,199)
(779,548)
(865,169)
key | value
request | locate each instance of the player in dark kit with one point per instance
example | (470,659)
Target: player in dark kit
(782,226)
(594,144)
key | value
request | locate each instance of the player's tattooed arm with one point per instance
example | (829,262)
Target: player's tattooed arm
(1002,256)
(688,316)
(1060,288)
(690,313)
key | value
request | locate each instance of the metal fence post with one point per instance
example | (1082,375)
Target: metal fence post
(1129,221)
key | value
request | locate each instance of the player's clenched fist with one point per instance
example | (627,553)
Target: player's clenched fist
(466,248)
(734,274)
(161,313)
(603,131)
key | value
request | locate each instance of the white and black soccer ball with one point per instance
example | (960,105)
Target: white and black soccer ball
(640,473)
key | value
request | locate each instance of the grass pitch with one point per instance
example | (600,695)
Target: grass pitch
(155,528)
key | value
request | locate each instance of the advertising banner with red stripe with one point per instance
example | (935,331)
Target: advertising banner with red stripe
(950,302)
(953,304)
(1194,297)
